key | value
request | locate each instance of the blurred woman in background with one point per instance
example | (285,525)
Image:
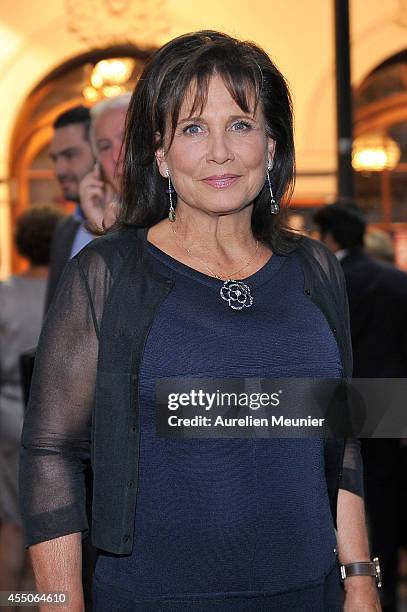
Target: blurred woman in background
(21,311)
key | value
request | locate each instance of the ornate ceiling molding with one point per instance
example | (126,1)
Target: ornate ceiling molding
(100,23)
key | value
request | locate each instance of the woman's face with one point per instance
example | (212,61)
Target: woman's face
(218,159)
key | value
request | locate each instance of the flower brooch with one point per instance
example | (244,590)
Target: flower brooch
(237,294)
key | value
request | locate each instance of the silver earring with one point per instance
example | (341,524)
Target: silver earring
(170,191)
(274,206)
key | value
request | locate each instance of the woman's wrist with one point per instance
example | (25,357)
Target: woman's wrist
(359,582)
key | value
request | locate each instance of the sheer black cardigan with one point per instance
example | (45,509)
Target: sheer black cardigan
(84,396)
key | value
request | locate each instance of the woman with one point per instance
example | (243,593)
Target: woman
(218,524)
(21,311)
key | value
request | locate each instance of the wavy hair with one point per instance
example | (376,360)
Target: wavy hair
(248,73)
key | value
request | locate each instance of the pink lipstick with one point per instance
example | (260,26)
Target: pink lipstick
(221,181)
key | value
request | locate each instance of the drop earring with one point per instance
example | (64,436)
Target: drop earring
(170,191)
(274,206)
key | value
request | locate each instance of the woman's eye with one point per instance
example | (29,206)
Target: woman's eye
(241,126)
(192,129)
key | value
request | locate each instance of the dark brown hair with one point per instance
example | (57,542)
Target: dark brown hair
(154,109)
(34,231)
(78,115)
(346,223)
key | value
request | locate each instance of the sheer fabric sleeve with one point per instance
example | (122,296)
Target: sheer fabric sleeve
(352,466)
(56,432)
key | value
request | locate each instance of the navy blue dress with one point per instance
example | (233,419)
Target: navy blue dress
(231,524)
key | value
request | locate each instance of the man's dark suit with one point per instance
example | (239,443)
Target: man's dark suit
(62,242)
(378,311)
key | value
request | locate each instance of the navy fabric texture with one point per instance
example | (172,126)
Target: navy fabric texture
(224,524)
(325,597)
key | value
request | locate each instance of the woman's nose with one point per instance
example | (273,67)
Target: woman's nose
(219,149)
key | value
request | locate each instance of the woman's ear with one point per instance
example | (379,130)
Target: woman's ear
(160,158)
(271,148)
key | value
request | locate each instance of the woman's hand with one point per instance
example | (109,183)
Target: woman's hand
(361,595)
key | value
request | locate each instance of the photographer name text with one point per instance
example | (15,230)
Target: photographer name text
(246,421)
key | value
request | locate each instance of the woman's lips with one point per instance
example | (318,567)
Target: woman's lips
(221,182)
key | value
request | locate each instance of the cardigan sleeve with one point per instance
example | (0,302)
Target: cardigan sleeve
(331,280)
(56,432)
(352,467)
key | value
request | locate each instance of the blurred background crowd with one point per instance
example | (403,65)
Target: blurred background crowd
(68,70)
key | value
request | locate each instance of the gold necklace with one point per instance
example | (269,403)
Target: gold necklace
(236,293)
(232,275)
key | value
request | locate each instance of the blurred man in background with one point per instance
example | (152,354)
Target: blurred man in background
(100,189)
(378,305)
(87,153)
(73,158)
